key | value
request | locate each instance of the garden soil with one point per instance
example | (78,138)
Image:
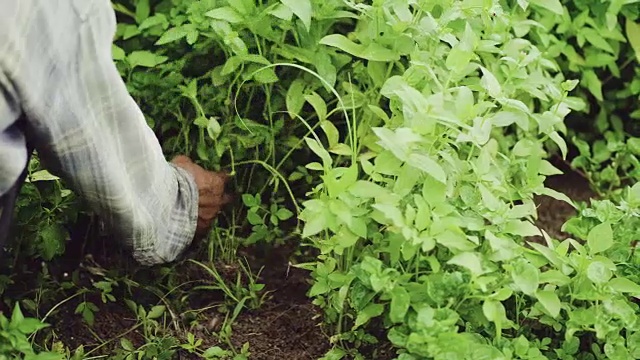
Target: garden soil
(287,326)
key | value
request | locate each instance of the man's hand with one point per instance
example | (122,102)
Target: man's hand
(211,192)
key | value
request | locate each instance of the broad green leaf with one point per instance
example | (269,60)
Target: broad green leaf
(490,83)
(295,97)
(215,352)
(552,5)
(155,20)
(225,13)
(302,9)
(173,34)
(458,59)
(428,165)
(560,142)
(549,301)
(633,35)
(284,214)
(319,105)
(369,312)
(42,175)
(594,38)
(557,195)
(600,238)
(522,228)
(52,239)
(624,285)
(398,141)
(117,53)
(400,301)
(16,316)
(470,261)
(142,10)
(525,277)
(145,58)
(126,344)
(494,311)
(373,51)
(156,312)
(320,151)
(598,272)
(590,79)
(244,7)
(366,189)
(282,12)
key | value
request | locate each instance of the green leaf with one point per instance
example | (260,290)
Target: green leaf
(302,9)
(142,10)
(117,53)
(428,165)
(624,285)
(470,261)
(16,316)
(295,97)
(320,107)
(400,301)
(254,219)
(549,301)
(560,142)
(598,272)
(156,312)
(633,35)
(225,13)
(526,277)
(155,20)
(595,39)
(284,214)
(215,352)
(369,312)
(591,81)
(42,175)
(171,35)
(30,325)
(366,189)
(373,51)
(600,238)
(126,344)
(490,83)
(145,59)
(317,148)
(52,240)
(552,5)
(493,310)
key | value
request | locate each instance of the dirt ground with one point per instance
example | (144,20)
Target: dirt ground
(287,325)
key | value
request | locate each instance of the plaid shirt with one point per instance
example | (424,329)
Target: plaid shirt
(56,69)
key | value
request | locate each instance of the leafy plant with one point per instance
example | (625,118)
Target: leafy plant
(598,42)
(14,333)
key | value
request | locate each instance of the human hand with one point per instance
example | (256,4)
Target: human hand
(210,189)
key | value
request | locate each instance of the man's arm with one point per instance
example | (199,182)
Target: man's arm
(89,131)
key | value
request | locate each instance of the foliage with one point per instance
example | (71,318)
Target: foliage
(404,141)
(14,342)
(599,43)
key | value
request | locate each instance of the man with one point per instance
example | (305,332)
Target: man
(61,93)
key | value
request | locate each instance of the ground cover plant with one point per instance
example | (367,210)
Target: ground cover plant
(391,159)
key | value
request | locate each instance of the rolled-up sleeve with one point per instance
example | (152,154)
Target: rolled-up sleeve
(88,130)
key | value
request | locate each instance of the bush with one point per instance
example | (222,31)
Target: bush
(409,138)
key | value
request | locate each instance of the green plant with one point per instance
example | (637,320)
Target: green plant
(410,138)
(421,218)
(14,332)
(599,43)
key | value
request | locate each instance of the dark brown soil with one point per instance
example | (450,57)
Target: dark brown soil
(285,326)
(552,213)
